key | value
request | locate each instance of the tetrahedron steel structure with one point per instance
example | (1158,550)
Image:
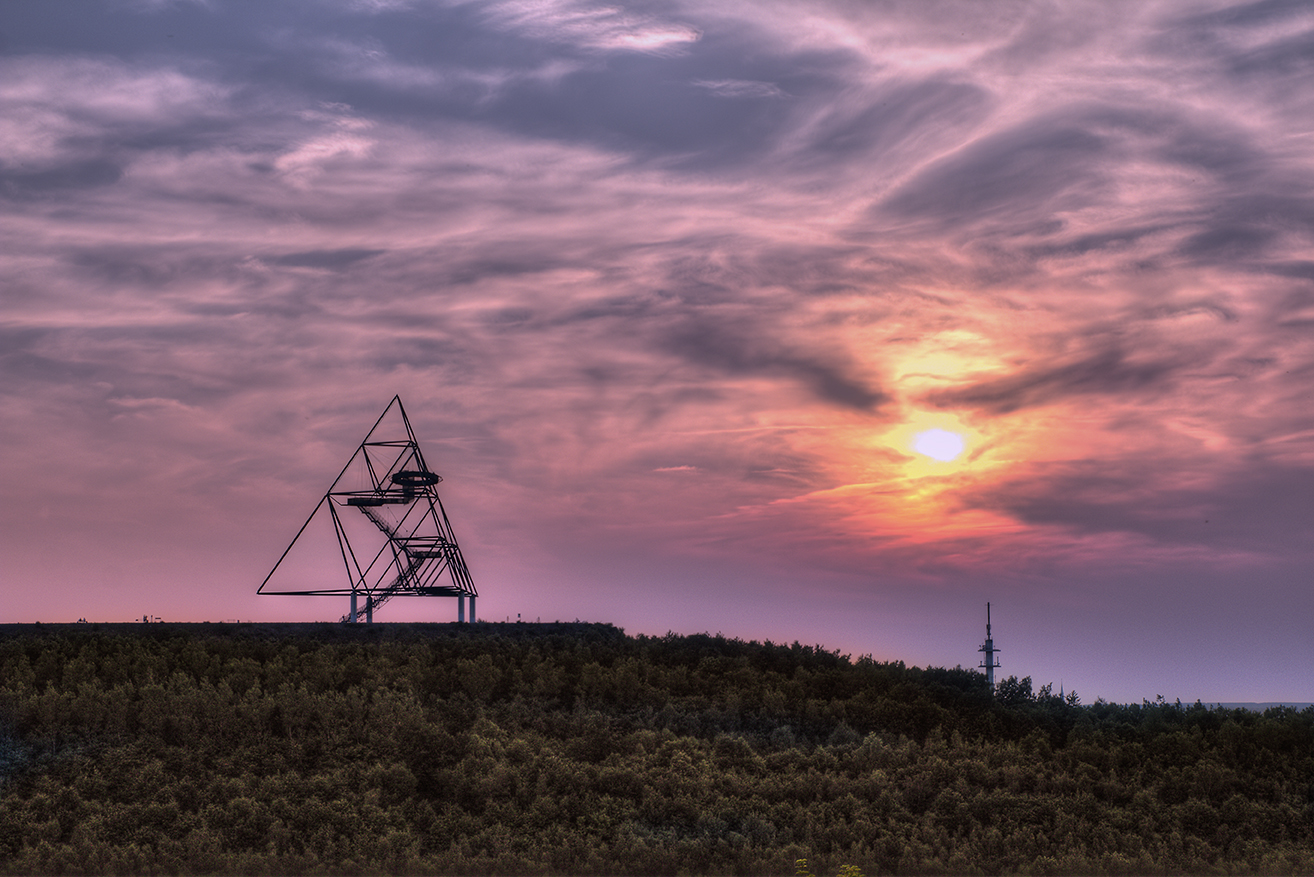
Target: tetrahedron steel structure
(391,530)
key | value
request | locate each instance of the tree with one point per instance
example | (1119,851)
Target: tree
(1014,692)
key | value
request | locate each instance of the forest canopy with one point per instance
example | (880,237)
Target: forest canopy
(576,749)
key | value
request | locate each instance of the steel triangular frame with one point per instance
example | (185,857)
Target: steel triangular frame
(395,491)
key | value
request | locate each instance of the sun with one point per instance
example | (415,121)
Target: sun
(938,444)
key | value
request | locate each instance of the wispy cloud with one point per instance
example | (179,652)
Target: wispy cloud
(739,88)
(591,25)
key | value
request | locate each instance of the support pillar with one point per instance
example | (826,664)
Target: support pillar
(352,616)
(369,609)
(472,615)
(460,608)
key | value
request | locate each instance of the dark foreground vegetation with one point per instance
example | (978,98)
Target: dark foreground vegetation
(576,750)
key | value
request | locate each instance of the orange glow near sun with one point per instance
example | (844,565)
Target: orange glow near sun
(922,471)
(906,479)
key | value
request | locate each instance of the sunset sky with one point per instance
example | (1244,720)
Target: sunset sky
(672,293)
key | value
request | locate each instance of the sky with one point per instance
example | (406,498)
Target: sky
(673,293)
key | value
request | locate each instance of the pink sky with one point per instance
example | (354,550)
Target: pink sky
(668,290)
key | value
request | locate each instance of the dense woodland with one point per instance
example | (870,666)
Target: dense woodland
(577,750)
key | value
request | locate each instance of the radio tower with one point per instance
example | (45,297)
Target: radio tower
(989,648)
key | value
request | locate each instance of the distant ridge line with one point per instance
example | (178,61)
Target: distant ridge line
(1260,707)
(317,630)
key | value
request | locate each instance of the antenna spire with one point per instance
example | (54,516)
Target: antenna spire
(989,664)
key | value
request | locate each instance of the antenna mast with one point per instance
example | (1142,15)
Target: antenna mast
(989,648)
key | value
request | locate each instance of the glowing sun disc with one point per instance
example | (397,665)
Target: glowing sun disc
(938,444)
